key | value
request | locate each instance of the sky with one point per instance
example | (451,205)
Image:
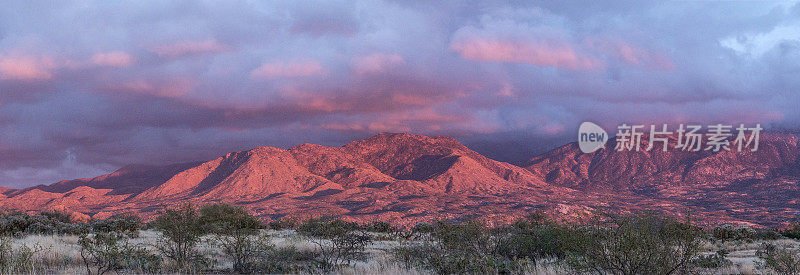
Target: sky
(87,87)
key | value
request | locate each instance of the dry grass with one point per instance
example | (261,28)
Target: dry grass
(61,255)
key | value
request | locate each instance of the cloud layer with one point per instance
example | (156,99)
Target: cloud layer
(89,87)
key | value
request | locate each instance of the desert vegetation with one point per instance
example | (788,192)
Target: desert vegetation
(221,238)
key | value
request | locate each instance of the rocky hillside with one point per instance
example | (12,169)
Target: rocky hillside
(405,178)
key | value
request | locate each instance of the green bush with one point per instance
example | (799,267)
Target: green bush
(533,239)
(57,216)
(783,259)
(127,224)
(15,261)
(17,224)
(423,228)
(236,232)
(742,234)
(712,261)
(380,227)
(458,248)
(638,244)
(286,260)
(111,251)
(792,232)
(416,232)
(181,231)
(338,241)
(220,218)
(283,223)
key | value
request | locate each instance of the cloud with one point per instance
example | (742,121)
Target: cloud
(168,88)
(507,37)
(68,168)
(551,54)
(112,59)
(425,119)
(287,69)
(630,54)
(26,68)
(327,18)
(377,63)
(755,45)
(145,82)
(190,48)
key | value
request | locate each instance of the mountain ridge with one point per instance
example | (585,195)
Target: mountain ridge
(405,178)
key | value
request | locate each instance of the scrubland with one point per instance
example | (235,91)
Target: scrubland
(223,239)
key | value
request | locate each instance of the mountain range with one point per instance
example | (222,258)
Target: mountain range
(406,178)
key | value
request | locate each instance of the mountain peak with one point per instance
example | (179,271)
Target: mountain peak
(407,178)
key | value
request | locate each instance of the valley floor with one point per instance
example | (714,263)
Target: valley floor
(54,254)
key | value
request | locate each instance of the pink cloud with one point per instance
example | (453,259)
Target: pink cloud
(323,105)
(344,126)
(189,48)
(408,99)
(290,69)
(539,53)
(376,63)
(171,88)
(426,119)
(553,129)
(368,126)
(26,68)
(630,54)
(507,90)
(112,59)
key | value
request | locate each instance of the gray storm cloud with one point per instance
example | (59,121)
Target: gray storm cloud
(86,87)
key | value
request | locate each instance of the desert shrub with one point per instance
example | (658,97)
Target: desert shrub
(457,248)
(283,223)
(14,223)
(17,224)
(380,227)
(469,237)
(220,218)
(533,239)
(109,249)
(638,244)
(423,228)
(462,248)
(783,259)
(730,233)
(326,227)
(285,260)
(15,261)
(430,256)
(181,231)
(247,252)
(767,234)
(57,216)
(742,234)
(127,224)
(416,232)
(339,242)
(711,261)
(410,255)
(112,251)
(236,232)
(46,226)
(792,232)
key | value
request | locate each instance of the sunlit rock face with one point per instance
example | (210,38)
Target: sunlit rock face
(405,179)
